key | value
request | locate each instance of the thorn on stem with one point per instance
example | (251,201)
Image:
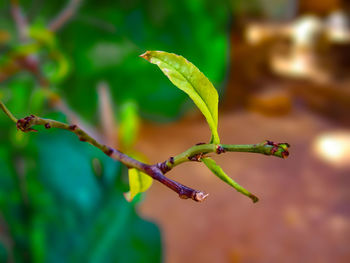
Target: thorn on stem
(47,125)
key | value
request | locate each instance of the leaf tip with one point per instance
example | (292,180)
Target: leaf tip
(128,196)
(146,55)
(254,198)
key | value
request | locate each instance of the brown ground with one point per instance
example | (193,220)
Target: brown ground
(303,213)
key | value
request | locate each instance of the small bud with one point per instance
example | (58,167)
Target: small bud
(196,157)
(183,196)
(164,167)
(109,152)
(219,149)
(274,150)
(285,154)
(269,143)
(73,127)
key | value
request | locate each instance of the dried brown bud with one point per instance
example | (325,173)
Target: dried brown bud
(73,127)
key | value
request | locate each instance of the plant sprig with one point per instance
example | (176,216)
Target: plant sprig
(188,78)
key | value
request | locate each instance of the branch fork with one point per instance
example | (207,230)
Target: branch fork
(156,171)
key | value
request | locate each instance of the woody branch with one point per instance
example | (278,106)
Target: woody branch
(156,171)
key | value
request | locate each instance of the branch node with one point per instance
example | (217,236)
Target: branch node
(278,149)
(73,127)
(25,124)
(163,165)
(109,151)
(219,149)
(196,157)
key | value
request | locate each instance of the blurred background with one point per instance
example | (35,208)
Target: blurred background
(281,68)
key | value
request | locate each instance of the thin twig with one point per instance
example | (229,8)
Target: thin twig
(31,63)
(20,20)
(26,124)
(197,152)
(59,104)
(64,16)
(7,112)
(156,171)
(109,126)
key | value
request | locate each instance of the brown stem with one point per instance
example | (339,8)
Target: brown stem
(20,19)
(64,16)
(184,192)
(107,120)
(157,171)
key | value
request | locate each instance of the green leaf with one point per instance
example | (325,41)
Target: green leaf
(217,170)
(187,77)
(139,182)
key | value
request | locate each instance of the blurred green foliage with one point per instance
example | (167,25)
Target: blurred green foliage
(113,35)
(62,200)
(104,40)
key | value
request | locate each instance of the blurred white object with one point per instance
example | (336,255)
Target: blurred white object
(256,33)
(302,61)
(300,64)
(337,26)
(334,148)
(306,31)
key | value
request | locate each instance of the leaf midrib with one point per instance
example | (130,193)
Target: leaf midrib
(215,122)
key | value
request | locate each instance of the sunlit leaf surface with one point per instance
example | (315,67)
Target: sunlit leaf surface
(187,77)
